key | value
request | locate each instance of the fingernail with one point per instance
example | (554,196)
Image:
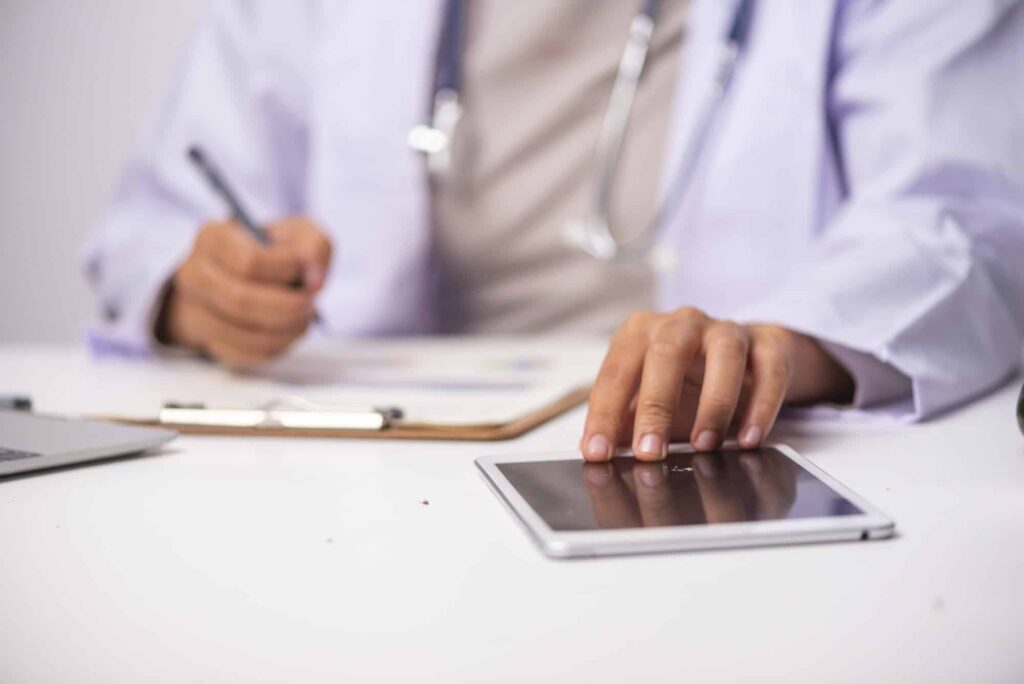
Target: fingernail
(752,437)
(706,441)
(651,444)
(598,447)
(652,477)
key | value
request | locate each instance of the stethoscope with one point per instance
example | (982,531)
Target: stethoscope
(592,232)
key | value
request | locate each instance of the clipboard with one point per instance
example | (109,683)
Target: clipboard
(347,423)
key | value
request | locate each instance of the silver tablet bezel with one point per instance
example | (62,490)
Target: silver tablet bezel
(873,524)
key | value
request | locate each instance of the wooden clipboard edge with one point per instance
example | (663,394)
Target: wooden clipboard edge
(464,433)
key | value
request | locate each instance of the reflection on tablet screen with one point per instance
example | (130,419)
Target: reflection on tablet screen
(684,489)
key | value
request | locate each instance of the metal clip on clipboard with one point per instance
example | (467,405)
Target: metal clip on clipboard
(290,413)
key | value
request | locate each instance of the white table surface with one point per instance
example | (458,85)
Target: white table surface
(302,560)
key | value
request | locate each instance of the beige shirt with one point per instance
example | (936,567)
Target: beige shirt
(536,79)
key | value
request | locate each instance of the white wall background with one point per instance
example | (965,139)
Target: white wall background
(78,81)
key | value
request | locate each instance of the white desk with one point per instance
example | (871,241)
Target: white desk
(280,560)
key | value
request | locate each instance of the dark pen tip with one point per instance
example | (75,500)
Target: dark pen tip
(195,154)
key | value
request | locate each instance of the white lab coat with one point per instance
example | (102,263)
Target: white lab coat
(862,183)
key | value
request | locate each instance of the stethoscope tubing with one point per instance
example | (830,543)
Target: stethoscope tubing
(593,233)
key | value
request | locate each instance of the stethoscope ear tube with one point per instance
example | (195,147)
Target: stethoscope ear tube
(593,234)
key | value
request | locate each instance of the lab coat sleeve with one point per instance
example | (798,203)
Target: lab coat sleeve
(923,266)
(238,92)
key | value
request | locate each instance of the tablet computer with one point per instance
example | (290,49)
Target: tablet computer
(689,501)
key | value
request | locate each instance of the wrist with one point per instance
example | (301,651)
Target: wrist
(818,376)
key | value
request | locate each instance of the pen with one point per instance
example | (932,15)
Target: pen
(217,182)
(238,212)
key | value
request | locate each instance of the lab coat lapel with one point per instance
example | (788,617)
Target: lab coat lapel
(376,75)
(758,187)
(705,26)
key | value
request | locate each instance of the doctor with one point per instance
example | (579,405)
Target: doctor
(787,202)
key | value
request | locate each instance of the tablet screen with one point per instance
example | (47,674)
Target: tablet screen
(684,489)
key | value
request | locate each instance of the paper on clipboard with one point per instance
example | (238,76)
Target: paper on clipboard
(442,388)
(435,384)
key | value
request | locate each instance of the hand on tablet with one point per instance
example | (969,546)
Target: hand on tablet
(754,486)
(684,375)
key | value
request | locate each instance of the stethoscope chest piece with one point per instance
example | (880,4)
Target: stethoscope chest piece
(593,237)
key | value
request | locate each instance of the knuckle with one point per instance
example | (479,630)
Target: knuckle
(654,412)
(689,314)
(665,349)
(718,402)
(728,329)
(728,346)
(729,337)
(775,335)
(636,322)
(677,332)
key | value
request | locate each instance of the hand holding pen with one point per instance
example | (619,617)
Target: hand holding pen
(245,293)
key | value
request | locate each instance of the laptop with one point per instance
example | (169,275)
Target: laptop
(30,441)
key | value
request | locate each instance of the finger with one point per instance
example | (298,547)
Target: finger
(721,501)
(613,505)
(770,371)
(659,505)
(236,345)
(240,253)
(309,244)
(245,303)
(673,346)
(725,351)
(613,389)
